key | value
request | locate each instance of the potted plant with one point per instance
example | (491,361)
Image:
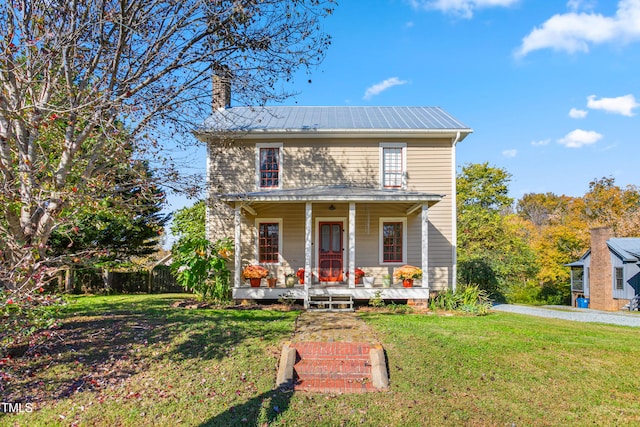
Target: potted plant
(255,273)
(300,274)
(271,281)
(407,273)
(368,281)
(290,280)
(386,280)
(359,275)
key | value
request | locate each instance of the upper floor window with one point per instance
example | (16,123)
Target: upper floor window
(269,165)
(269,240)
(618,280)
(393,240)
(393,165)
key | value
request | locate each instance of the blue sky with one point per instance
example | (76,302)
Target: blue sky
(550,88)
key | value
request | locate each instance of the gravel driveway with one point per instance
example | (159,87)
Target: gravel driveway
(574,314)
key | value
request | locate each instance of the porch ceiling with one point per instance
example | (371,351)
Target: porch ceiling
(337,193)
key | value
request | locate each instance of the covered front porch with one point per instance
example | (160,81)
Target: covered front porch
(327,234)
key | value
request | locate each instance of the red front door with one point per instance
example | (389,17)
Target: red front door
(331,252)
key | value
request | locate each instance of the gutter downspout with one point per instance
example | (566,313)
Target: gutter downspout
(454,213)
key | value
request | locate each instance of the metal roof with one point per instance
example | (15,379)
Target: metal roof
(305,119)
(334,193)
(628,248)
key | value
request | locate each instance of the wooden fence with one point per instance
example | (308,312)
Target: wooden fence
(92,280)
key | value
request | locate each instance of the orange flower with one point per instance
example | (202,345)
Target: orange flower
(255,272)
(408,272)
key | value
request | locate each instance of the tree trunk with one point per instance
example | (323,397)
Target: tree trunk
(69,280)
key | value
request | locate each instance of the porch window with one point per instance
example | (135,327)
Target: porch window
(269,165)
(577,279)
(618,279)
(268,241)
(393,165)
(393,240)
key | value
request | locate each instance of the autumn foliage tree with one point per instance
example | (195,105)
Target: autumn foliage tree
(76,75)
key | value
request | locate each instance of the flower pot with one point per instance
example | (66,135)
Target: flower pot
(368,281)
(386,281)
(272,282)
(358,280)
(290,281)
(255,283)
(407,283)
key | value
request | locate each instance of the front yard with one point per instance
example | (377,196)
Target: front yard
(134,360)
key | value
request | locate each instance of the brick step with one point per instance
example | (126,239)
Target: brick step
(336,367)
(335,385)
(332,349)
(315,368)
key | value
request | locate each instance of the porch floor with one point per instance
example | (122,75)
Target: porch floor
(394,292)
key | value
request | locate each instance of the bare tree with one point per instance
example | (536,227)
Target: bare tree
(77,75)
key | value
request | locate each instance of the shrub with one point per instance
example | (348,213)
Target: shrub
(377,300)
(469,299)
(201,267)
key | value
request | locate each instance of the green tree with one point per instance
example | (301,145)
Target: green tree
(125,223)
(492,244)
(189,222)
(484,187)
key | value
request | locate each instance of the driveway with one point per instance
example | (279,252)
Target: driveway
(574,314)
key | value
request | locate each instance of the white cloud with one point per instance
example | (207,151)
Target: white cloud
(510,153)
(382,86)
(576,5)
(409,24)
(462,8)
(623,105)
(540,142)
(579,138)
(575,32)
(575,113)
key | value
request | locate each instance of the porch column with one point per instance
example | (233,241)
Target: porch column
(237,250)
(352,245)
(307,250)
(425,245)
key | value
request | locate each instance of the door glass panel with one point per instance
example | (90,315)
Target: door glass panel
(335,238)
(325,240)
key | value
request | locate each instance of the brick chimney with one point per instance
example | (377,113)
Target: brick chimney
(221,88)
(600,271)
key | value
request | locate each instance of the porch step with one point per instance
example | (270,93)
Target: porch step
(331,302)
(333,367)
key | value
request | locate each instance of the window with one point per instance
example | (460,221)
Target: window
(269,165)
(393,240)
(577,279)
(393,165)
(268,241)
(618,279)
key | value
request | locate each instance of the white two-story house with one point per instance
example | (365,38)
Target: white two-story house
(333,189)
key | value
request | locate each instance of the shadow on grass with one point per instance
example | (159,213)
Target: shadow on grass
(257,411)
(107,340)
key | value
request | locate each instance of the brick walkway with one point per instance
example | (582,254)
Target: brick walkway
(333,353)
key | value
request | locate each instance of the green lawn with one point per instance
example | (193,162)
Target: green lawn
(134,360)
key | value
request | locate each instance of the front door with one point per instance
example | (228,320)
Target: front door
(330,258)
